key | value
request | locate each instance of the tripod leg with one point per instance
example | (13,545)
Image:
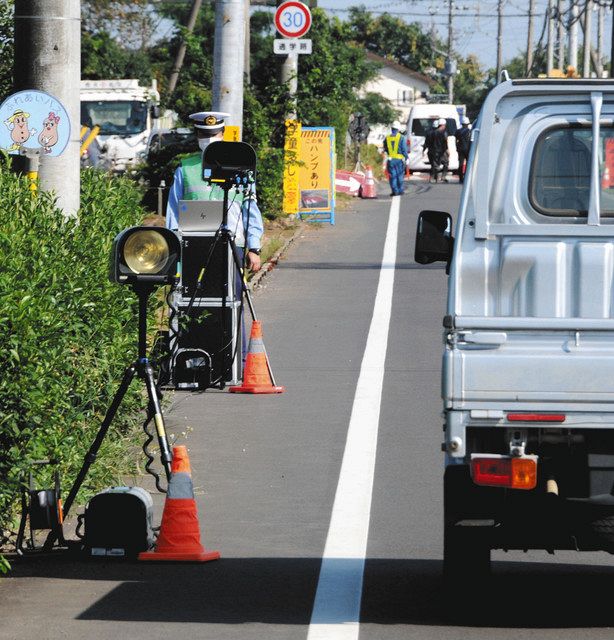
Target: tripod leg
(90,456)
(165,452)
(250,304)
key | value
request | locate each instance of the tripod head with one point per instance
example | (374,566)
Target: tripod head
(229,164)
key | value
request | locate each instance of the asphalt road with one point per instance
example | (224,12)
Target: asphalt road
(266,471)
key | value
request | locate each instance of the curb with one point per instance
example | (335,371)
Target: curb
(270,264)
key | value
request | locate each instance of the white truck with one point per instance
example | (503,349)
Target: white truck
(528,364)
(127,113)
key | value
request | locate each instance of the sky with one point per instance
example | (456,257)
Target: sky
(474,22)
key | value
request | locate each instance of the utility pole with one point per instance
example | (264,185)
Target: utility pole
(499,39)
(48,58)
(573,35)
(450,66)
(247,50)
(550,50)
(560,35)
(172,80)
(588,28)
(530,38)
(228,59)
(600,28)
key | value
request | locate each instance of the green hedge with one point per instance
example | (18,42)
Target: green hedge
(66,333)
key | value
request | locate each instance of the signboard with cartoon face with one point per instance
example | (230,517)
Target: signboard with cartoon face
(34,120)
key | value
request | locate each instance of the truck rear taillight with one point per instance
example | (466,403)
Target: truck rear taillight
(536,417)
(504,471)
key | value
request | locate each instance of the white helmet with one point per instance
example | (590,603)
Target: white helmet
(465,120)
(441,121)
(396,125)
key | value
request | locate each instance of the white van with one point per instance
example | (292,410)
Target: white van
(421,119)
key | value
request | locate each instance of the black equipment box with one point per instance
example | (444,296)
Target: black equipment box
(206,350)
(220,275)
(118,523)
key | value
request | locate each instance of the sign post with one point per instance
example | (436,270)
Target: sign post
(292,21)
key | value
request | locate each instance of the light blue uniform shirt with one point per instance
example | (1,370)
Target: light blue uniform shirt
(249,208)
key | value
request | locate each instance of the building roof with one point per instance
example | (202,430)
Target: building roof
(391,64)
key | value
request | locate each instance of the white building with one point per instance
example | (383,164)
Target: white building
(398,84)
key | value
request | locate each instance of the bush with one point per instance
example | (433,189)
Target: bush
(66,333)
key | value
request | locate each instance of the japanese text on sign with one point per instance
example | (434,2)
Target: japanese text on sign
(317,170)
(291,166)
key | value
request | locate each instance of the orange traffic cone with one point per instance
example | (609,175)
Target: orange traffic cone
(179,537)
(256,376)
(368,189)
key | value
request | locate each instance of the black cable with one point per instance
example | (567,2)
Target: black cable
(148,455)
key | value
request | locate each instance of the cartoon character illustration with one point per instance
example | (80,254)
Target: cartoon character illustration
(17,124)
(49,135)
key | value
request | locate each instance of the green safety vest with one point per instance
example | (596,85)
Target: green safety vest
(392,147)
(195,188)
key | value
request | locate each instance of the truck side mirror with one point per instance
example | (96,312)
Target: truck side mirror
(154,110)
(434,241)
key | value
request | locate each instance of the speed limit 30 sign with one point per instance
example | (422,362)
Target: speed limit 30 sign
(292,19)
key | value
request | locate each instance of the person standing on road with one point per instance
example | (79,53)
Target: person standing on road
(463,144)
(188,184)
(436,146)
(395,148)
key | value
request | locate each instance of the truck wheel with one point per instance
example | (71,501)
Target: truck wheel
(466,550)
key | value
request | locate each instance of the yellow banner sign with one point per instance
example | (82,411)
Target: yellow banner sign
(292,146)
(316,172)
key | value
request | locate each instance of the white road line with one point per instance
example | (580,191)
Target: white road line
(336,610)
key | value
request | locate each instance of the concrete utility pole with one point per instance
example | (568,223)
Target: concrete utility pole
(499,39)
(588,33)
(560,35)
(172,80)
(600,28)
(530,38)
(48,58)
(228,59)
(550,49)
(451,67)
(573,34)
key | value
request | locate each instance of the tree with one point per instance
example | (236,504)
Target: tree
(377,109)
(132,22)
(102,57)
(393,38)
(7,42)
(470,87)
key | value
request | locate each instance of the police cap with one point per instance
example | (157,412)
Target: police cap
(209,122)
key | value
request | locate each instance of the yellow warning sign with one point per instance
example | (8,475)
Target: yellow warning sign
(291,166)
(317,171)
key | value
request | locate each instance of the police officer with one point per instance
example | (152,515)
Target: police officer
(436,146)
(463,144)
(243,211)
(395,147)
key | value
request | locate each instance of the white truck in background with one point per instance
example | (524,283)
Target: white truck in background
(127,114)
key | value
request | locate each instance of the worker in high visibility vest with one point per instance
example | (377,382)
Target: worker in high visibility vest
(395,148)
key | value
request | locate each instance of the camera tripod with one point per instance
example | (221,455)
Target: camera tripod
(223,234)
(141,368)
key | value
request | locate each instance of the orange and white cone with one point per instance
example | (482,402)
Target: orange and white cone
(179,537)
(368,189)
(256,376)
